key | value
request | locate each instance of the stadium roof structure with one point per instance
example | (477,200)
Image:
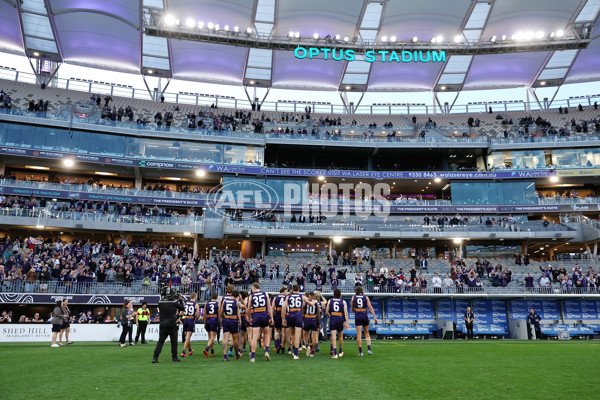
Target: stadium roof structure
(490,44)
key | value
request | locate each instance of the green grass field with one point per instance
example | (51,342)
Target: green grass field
(398,370)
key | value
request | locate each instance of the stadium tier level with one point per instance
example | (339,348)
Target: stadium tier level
(401,170)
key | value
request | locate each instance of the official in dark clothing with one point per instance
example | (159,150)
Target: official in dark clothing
(167,308)
(469,318)
(533,319)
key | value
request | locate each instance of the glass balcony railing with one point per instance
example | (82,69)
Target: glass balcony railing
(267,136)
(132,192)
(95,217)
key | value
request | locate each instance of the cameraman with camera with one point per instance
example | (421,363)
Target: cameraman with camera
(167,308)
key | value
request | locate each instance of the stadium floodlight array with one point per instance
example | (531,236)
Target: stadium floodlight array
(169,26)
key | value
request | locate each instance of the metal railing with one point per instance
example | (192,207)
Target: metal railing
(205,289)
(274,137)
(536,226)
(124,91)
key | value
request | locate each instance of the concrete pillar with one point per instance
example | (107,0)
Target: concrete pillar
(595,252)
(330,248)
(524,248)
(138,183)
(195,246)
(263,248)
(248,249)
(2,167)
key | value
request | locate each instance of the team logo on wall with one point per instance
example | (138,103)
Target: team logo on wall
(15,298)
(240,194)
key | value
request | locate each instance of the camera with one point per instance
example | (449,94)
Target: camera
(171,294)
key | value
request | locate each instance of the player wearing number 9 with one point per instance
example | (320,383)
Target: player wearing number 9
(360,303)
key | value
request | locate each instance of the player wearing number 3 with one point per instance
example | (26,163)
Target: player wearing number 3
(260,318)
(291,316)
(360,303)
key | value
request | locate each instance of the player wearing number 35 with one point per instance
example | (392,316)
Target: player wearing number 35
(260,318)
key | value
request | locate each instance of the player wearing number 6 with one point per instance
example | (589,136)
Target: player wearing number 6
(360,303)
(191,312)
(291,316)
(337,310)
(260,317)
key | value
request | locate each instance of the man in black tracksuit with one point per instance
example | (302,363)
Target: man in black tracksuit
(167,308)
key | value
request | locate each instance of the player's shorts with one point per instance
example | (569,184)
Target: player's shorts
(294,321)
(212,325)
(189,325)
(230,326)
(361,321)
(66,325)
(277,323)
(244,325)
(260,321)
(336,325)
(56,328)
(310,325)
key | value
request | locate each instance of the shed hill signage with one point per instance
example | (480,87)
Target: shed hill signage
(371,56)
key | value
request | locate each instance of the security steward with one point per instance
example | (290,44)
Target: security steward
(168,306)
(533,319)
(142,319)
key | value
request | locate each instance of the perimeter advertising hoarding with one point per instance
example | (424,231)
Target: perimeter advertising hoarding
(260,170)
(82,332)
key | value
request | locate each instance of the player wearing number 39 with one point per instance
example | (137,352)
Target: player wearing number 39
(260,318)
(360,303)
(337,310)
(291,316)
(191,312)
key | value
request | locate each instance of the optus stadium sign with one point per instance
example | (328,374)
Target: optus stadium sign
(371,56)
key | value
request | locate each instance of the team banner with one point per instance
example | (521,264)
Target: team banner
(261,170)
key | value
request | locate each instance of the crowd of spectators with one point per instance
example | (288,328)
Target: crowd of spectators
(5,101)
(552,278)
(91,206)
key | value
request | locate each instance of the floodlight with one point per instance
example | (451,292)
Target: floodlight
(169,20)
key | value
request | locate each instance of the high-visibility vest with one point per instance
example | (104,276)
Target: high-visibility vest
(143,314)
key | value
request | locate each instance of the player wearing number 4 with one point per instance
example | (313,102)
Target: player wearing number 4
(337,310)
(360,303)
(260,317)
(191,312)
(293,321)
